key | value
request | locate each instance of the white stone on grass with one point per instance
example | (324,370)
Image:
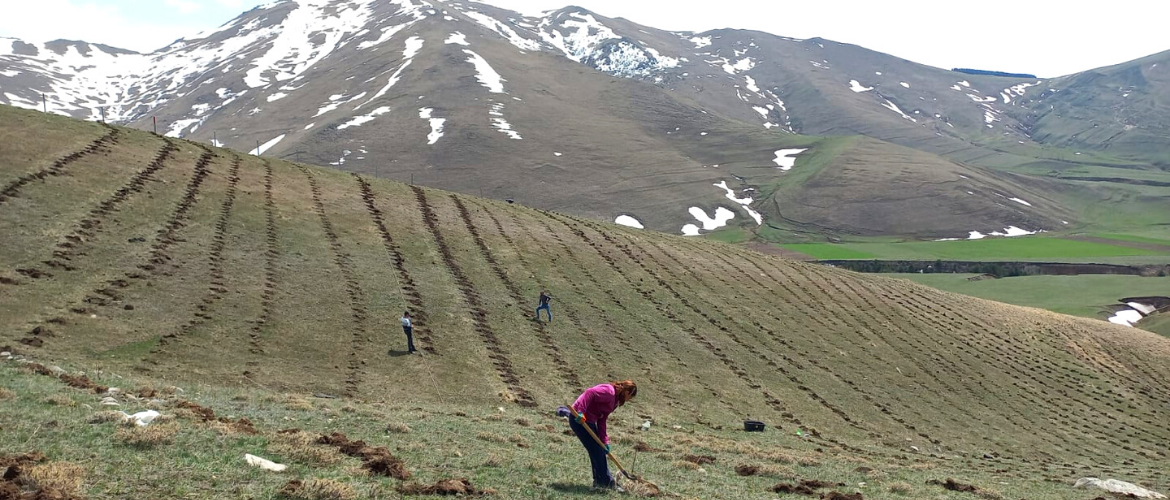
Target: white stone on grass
(262,463)
(1119,487)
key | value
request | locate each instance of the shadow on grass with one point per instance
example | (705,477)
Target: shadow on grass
(577,489)
(398,354)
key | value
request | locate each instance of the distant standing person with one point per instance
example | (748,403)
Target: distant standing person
(544,298)
(408,329)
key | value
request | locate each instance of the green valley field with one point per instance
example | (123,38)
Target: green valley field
(254,303)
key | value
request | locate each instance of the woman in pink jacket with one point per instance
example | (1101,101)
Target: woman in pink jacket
(595,405)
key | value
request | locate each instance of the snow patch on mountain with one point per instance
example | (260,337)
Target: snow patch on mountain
(502,124)
(457,38)
(700,41)
(305,37)
(722,215)
(628,221)
(268,145)
(786,158)
(436,124)
(745,203)
(751,84)
(485,74)
(584,39)
(358,121)
(503,30)
(857,87)
(413,45)
(894,107)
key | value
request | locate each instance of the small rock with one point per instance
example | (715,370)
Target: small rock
(915,448)
(1119,487)
(57,370)
(6,354)
(265,464)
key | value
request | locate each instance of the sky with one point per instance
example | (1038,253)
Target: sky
(1044,38)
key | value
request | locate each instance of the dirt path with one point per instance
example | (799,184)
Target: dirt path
(1120,243)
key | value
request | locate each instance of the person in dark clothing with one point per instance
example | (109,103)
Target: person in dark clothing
(408,328)
(544,298)
(594,406)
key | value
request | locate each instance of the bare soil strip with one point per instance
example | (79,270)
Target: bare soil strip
(405,281)
(559,362)
(101,144)
(271,274)
(352,289)
(478,313)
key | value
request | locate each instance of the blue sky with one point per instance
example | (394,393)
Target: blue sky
(1045,38)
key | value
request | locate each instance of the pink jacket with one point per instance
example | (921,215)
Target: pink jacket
(595,404)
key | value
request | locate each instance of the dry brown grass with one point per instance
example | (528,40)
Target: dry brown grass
(59,399)
(297,403)
(302,447)
(63,477)
(148,436)
(900,488)
(685,465)
(6,394)
(518,440)
(317,489)
(987,494)
(491,437)
(104,416)
(398,428)
(493,460)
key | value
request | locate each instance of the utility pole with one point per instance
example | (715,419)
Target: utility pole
(214,142)
(154,120)
(103,110)
(257,148)
(45,102)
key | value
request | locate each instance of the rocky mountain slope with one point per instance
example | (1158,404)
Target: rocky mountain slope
(607,118)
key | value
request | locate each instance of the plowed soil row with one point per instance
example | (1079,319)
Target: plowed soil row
(702,340)
(91,224)
(568,309)
(271,255)
(352,289)
(99,145)
(602,315)
(559,362)
(1008,361)
(405,282)
(496,352)
(974,348)
(662,343)
(786,346)
(216,287)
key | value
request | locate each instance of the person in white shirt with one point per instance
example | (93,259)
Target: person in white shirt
(408,328)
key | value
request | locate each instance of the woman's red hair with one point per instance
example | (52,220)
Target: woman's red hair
(624,390)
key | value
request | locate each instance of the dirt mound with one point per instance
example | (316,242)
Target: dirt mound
(377,460)
(445,487)
(642,446)
(807,487)
(699,459)
(75,381)
(953,485)
(837,495)
(15,484)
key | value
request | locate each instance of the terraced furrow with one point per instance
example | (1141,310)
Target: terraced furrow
(559,362)
(167,236)
(602,315)
(1014,416)
(101,144)
(716,351)
(976,346)
(358,338)
(662,343)
(769,334)
(405,282)
(569,311)
(91,224)
(496,352)
(271,274)
(216,285)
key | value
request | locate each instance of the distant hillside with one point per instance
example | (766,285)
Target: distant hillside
(970,71)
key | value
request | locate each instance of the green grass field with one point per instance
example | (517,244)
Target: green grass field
(988,249)
(1133,238)
(1084,295)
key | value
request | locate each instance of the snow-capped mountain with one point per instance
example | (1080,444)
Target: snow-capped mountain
(575,111)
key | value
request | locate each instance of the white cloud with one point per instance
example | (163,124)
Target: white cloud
(183,6)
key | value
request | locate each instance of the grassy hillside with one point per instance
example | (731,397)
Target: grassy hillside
(253,283)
